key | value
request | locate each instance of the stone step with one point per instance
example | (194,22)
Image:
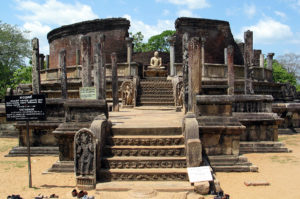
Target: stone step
(244,150)
(237,168)
(157,96)
(62,166)
(148,131)
(262,144)
(34,151)
(177,150)
(231,158)
(143,162)
(144,174)
(145,140)
(156,104)
(169,99)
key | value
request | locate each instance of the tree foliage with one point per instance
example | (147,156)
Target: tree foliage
(155,43)
(291,62)
(14,48)
(281,75)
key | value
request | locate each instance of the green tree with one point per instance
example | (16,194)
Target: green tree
(281,75)
(160,42)
(14,48)
(155,43)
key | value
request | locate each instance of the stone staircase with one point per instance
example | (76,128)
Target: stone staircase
(144,155)
(155,92)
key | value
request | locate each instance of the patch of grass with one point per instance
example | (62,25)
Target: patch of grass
(284,159)
(14,164)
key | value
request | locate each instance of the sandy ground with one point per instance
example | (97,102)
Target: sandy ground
(282,170)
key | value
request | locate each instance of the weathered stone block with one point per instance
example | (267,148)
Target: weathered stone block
(210,140)
(201,187)
(194,152)
(227,145)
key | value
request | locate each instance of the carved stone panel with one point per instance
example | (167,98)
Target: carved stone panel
(128,94)
(85,159)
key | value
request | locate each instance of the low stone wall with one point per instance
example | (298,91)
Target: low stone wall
(7,129)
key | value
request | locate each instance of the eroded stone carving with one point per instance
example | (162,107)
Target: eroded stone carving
(179,94)
(128,93)
(85,158)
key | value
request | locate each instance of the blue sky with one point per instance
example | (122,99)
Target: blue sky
(275,23)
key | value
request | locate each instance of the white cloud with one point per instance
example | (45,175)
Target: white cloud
(191,4)
(250,10)
(40,18)
(268,31)
(166,12)
(149,30)
(185,13)
(280,14)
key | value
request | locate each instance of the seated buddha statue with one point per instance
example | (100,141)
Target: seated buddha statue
(156,62)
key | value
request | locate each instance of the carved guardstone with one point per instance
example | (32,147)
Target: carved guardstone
(128,94)
(85,159)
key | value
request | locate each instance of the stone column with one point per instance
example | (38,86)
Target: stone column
(203,40)
(42,61)
(64,80)
(195,72)
(129,53)
(77,57)
(185,70)
(261,60)
(172,41)
(262,65)
(230,62)
(86,61)
(47,62)
(36,79)
(225,56)
(114,82)
(100,69)
(248,61)
(270,60)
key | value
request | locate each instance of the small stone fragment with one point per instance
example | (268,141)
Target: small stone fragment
(201,187)
(256,183)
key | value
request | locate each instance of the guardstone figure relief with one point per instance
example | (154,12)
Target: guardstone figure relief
(84,152)
(128,93)
(179,94)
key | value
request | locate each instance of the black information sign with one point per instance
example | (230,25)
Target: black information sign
(25,107)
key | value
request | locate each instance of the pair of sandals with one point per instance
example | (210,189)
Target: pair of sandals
(14,197)
(51,196)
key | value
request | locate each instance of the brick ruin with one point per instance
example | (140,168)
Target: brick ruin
(231,103)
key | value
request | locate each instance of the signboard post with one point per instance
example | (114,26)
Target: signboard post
(87,93)
(26,108)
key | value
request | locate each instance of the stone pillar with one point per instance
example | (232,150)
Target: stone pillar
(225,56)
(64,80)
(195,72)
(77,57)
(261,60)
(47,62)
(172,41)
(185,70)
(100,69)
(248,61)
(42,61)
(36,79)
(129,53)
(230,62)
(86,61)
(270,60)
(203,40)
(114,82)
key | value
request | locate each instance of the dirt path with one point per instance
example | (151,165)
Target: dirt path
(282,170)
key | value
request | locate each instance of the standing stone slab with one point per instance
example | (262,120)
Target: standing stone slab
(194,72)
(86,61)
(230,60)
(42,61)
(185,70)
(248,61)
(114,77)
(36,79)
(85,159)
(47,62)
(270,60)
(100,69)
(129,53)
(64,80)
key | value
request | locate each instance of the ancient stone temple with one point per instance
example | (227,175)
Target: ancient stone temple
(219,101)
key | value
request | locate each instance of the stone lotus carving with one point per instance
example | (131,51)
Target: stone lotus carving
(128,93)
